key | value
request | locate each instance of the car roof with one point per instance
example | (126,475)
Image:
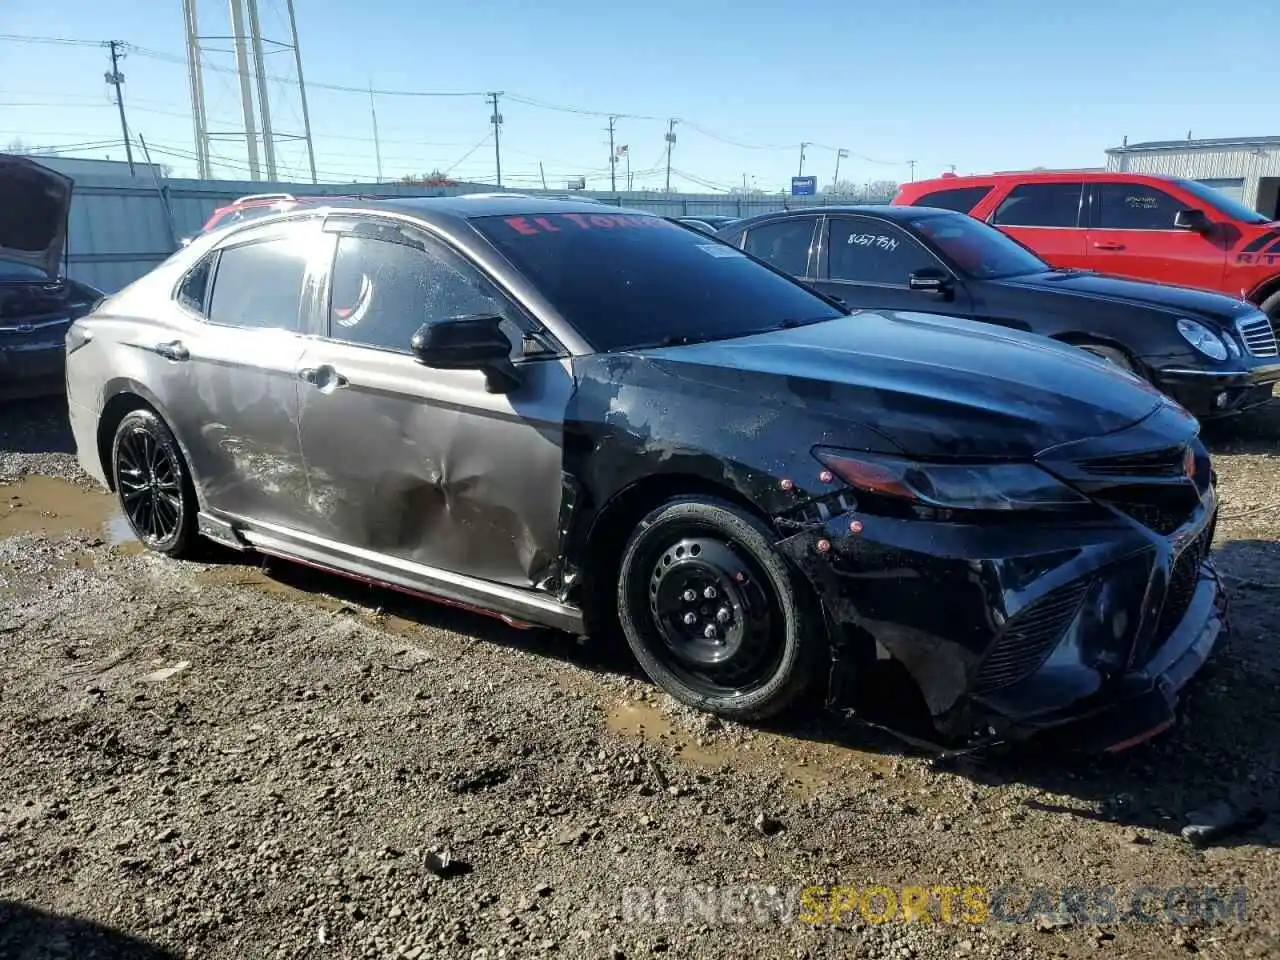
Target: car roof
(947,182)
(881,210)
(486,205)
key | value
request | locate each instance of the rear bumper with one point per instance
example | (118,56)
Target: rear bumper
(1213,393)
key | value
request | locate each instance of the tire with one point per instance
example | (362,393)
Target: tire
(1111,355)
(154,485)
(762,655)
(1271,307)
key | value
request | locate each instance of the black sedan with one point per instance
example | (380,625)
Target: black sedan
(579,419)
(1215,355)
(37,303)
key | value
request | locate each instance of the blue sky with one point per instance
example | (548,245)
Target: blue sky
(982,84)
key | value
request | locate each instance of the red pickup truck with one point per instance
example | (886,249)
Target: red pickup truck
(1148,227)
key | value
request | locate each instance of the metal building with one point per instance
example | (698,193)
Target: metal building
(1246,168)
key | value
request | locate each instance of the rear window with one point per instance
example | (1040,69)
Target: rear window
(959,199)
(1041,205)
(627,280)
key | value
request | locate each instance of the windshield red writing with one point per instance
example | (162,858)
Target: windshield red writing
(558,222)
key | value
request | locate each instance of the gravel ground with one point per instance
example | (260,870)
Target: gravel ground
(226,760)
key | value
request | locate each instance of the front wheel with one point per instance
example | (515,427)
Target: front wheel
(1111,355)
(154,485)
(1271,307)
(713,613)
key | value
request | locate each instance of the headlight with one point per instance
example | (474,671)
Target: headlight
(951,486)
(1202,338)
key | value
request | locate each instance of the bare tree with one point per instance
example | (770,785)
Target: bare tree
(16,145)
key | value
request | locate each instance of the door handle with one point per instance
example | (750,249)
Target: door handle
(323,376)
(1107,245)
(173,350)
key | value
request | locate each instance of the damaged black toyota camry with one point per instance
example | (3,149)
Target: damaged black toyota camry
(578,419)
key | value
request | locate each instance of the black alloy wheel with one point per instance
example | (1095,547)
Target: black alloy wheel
(712,611)
(153,484)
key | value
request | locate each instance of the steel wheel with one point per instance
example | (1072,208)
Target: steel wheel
(711,610)
(152,483)
(715,613)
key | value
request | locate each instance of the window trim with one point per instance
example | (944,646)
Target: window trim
(832,218)
(1095,207)
(1081,221)
(346,224)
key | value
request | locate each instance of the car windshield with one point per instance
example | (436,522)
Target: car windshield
(1222,203)
(979,251)
(13,270)
(626,281)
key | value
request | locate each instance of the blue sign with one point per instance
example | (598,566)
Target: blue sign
(804,186)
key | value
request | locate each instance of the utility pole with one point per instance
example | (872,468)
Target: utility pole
(497,138)
(627,148)
(543,174)
(840,155)
(913,170)
(377,146)
(116,78)
(803,144)
(613,159)
(671,140)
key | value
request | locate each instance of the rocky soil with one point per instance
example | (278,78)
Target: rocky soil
(228,760)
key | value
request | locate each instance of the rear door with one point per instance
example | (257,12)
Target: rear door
(419,465)
(1048,218)
(868,262)
(227,370)
(1131,234)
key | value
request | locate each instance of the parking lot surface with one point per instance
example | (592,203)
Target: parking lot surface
(234,760)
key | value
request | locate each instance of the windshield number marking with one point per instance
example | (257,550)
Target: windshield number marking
(556,222)
(872,239)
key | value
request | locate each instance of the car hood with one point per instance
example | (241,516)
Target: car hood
(34,205)
(1101,287)
(931,386)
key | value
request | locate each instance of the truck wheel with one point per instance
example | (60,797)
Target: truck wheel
(713,612)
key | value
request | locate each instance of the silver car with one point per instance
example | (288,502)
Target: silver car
(580,417)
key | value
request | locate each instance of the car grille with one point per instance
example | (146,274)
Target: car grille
(1162,519)
(1029,637)
(1165,462)
(1258,336)
(1183,579)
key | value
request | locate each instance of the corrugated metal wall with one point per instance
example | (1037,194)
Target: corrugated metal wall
(121,228)
(1204,163)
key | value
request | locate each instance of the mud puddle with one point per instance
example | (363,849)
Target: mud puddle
(807,767)
(48,505)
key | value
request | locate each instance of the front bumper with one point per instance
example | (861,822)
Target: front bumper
(31,368)
(1014,630)
(1218,393)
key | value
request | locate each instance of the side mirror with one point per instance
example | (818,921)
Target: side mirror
(468,343)
(1193,219)
(930,280)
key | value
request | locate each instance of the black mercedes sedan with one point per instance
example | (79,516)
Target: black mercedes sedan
(37,303)
(580,419)
(1214,355)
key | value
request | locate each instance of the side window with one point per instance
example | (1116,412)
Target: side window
(1040,205)
(382,291)
(259,285)
(872,251)
(194,286)
(784,244)
(1135,206)
(960,199)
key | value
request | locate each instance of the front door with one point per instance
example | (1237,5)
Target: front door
(227,371)
(421,465)
(1132,235)
(868,263)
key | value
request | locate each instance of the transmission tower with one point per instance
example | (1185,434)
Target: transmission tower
(251,51)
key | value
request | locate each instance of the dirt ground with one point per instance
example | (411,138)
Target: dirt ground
(228,760)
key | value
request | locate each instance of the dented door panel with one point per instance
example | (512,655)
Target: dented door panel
(424,465)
